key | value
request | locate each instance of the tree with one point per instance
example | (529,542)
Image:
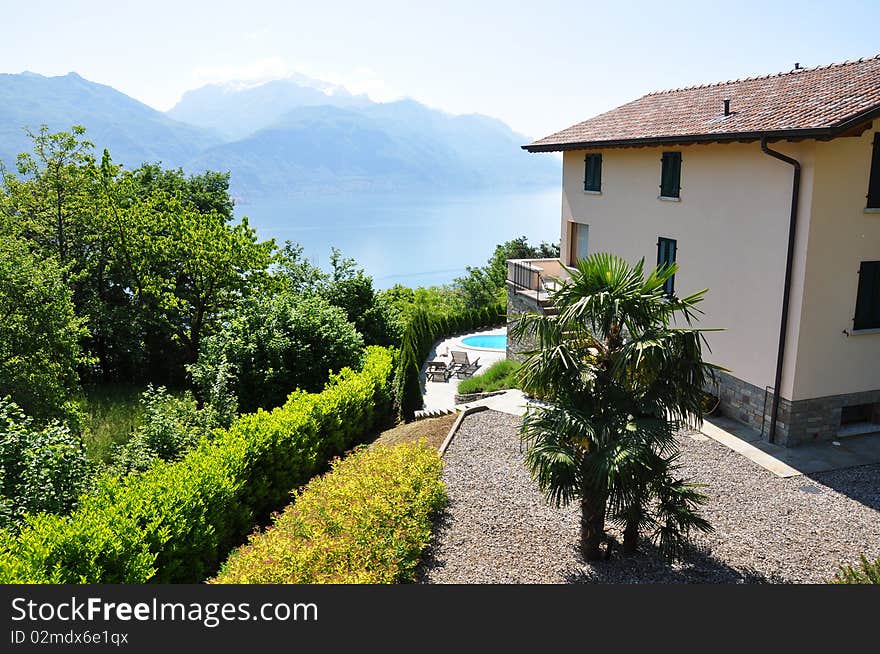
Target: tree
(39,333)
(621,376)
(276,344)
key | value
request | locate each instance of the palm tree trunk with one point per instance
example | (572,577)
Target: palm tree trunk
(631,535)
(592,524)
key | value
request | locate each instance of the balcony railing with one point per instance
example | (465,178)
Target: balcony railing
(537,278)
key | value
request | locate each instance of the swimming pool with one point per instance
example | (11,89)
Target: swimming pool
(486,341)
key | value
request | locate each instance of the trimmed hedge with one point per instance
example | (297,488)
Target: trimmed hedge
(177,521)
(419,336)
(365,522)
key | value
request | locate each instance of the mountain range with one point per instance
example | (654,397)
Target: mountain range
(284,137)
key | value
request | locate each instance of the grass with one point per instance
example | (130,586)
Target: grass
(112,413)
(499,376)
(433,430)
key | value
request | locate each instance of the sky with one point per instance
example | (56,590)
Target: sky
(539,66)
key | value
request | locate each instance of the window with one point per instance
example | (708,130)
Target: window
(874,183)
(578,243)
(667,248)
(670,175)
(868,298)
(593,173)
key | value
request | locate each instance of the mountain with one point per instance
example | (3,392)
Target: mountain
(377,146)
(281,138)
(238,109)
(132,131)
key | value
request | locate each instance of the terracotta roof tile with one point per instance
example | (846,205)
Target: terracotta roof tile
(818,98)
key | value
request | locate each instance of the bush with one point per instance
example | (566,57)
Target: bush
(41,470)
(367,521)
(500,375)
(277,343)
(170,427)
(39,333)
(867,572)
(175,522)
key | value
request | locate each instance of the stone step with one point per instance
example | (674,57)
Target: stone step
(432,413)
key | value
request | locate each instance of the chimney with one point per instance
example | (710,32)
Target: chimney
(726,106)
(797,65)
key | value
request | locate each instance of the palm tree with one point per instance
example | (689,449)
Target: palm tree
(621,369)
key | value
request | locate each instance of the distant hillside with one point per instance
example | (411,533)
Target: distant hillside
(281,138)
(237,110)
(132,131)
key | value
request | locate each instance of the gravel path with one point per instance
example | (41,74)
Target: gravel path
(498,529)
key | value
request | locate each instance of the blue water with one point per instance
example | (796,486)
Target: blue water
(493,341)
(416,240)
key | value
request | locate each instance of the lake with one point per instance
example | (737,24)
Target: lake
(415,240)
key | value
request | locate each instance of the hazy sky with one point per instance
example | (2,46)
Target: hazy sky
(539,66)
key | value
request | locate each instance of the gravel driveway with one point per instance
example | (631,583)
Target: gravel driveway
(498,529)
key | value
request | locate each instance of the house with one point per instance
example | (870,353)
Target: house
(766,191)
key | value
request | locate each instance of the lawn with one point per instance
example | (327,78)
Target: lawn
(112,413)
(434,430)
(499,376)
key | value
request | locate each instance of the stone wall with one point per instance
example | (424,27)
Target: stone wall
(517,304)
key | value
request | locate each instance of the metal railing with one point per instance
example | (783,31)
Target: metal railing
(525,276)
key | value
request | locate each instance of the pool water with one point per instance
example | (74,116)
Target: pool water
(488,341)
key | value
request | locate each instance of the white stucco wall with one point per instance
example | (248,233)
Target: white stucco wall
(731,226)
(841,235)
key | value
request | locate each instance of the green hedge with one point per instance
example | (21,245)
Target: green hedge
(177,521)
(422,331)
(367,521)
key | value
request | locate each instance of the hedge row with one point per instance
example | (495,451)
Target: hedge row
(422,331)
(366,522)
(177,521)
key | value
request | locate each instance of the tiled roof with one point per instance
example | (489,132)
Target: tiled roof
(804,102)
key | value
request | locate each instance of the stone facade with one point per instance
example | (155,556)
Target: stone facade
(799,422)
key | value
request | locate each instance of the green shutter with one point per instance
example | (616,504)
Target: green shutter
(670,175)
(874,183)
(667,250)
(868,298)
(593,172)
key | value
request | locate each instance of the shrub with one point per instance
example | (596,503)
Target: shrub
(39,333)
(867,572)
(500,375)
(277,343)
(41,469)
(366,521)
(170,427)
(176,521)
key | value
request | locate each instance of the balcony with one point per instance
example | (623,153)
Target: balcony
(536,279)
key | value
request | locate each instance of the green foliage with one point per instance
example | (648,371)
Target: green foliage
(39,333)
(486,285)
(867,572)
(177,521)
(366,521)
(499,376)
(170,427)
(276,343)
(622,369)
(41,469)
(111,414)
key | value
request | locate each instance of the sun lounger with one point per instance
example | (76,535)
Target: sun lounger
(463,366)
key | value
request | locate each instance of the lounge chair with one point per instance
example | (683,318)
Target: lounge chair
(463,366)
(438,371)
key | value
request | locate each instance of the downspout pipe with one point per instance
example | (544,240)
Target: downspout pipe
(786,293)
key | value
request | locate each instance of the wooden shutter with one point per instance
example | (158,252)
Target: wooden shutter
(593,172)
(868,298)
(874,183)
(670,175)
(667,250)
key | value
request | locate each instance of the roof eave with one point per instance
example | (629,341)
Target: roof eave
(727,137)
